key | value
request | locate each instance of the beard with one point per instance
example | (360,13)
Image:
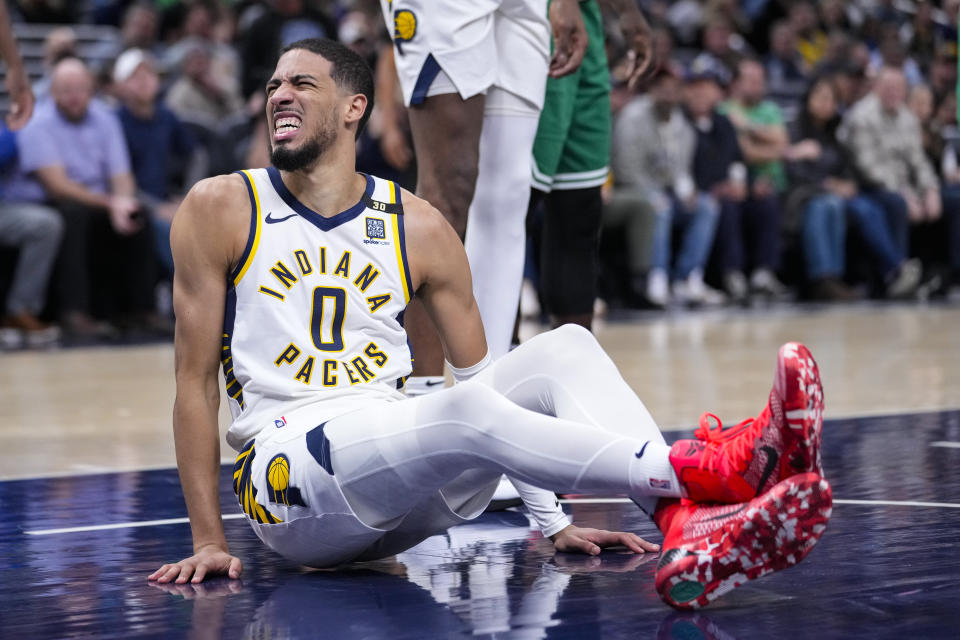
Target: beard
(307,154)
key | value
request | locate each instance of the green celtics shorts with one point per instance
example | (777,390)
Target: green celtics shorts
(572,148)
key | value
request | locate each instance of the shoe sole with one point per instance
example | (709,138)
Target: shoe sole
(801,395)
(774,532)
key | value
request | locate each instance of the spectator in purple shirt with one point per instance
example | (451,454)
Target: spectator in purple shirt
(73,153)
(160,145)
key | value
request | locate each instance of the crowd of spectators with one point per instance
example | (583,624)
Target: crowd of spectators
(778,149)
(825,162)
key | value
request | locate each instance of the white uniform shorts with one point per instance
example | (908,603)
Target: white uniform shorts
(296,507)
(452,46)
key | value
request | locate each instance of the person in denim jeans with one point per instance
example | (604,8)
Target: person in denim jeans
(898,183)
(653,147)
(821,186)
(748,237)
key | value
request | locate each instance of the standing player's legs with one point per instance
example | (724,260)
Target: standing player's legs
(496,231)
(446,138)
(463,112)
(444,93)
(571,159)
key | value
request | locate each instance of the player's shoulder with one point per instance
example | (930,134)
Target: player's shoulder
(219,191)
(218,201)
(421,219)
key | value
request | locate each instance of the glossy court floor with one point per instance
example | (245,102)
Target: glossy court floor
(91,504)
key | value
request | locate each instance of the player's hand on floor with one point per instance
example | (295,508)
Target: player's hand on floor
(209,560)
(591,541)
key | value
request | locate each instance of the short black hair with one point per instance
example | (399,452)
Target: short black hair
(348,69)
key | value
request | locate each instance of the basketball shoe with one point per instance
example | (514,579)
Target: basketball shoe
(746,460)
(709,550)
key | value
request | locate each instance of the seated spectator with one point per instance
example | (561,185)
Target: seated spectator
(283,22)
(200,25)
(158,144)
(942,76)
(821,184)
(942,146)
(198,94)
(36,231)
(811,40)
(890,52)
(896,180)
(214,112)
(652,157)
(718,166)
(60,43)
(786,76)
(833,15)
(748,239)
(921,34)
(73,153)
(722,49)
(139,29)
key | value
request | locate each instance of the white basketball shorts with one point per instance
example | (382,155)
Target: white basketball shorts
(284,485)
(472,46)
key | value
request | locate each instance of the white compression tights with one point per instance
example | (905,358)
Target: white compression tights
(496,224)
(554,413)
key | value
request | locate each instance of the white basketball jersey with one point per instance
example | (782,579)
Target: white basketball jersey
(315,307)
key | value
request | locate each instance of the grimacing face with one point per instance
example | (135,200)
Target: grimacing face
(303,108)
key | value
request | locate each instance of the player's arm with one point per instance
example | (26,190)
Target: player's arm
(441,278)
(207,231)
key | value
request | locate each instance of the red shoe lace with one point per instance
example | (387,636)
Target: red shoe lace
(734,442)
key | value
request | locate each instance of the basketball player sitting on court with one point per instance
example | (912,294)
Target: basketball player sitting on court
(303,307)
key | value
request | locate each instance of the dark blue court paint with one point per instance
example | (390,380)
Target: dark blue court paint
(879,571)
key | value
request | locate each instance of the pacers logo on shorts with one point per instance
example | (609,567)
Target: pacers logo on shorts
(278,483)
(404,27)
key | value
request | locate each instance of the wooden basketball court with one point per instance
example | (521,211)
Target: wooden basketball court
(92,503)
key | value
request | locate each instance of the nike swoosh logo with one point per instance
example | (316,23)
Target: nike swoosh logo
(270,220)
(639,454)
(430,383)
(772,459)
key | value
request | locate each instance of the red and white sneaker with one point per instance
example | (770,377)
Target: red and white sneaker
(709,550)
(744,461)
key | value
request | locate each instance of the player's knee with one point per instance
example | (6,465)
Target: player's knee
(564,346)
(475,405)
(576,338)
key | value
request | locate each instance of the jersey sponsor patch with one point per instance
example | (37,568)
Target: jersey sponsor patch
(376,229)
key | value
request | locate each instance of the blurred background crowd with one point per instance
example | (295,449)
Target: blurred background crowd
(777,151)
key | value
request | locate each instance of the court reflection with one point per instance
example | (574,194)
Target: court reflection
(493,577)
